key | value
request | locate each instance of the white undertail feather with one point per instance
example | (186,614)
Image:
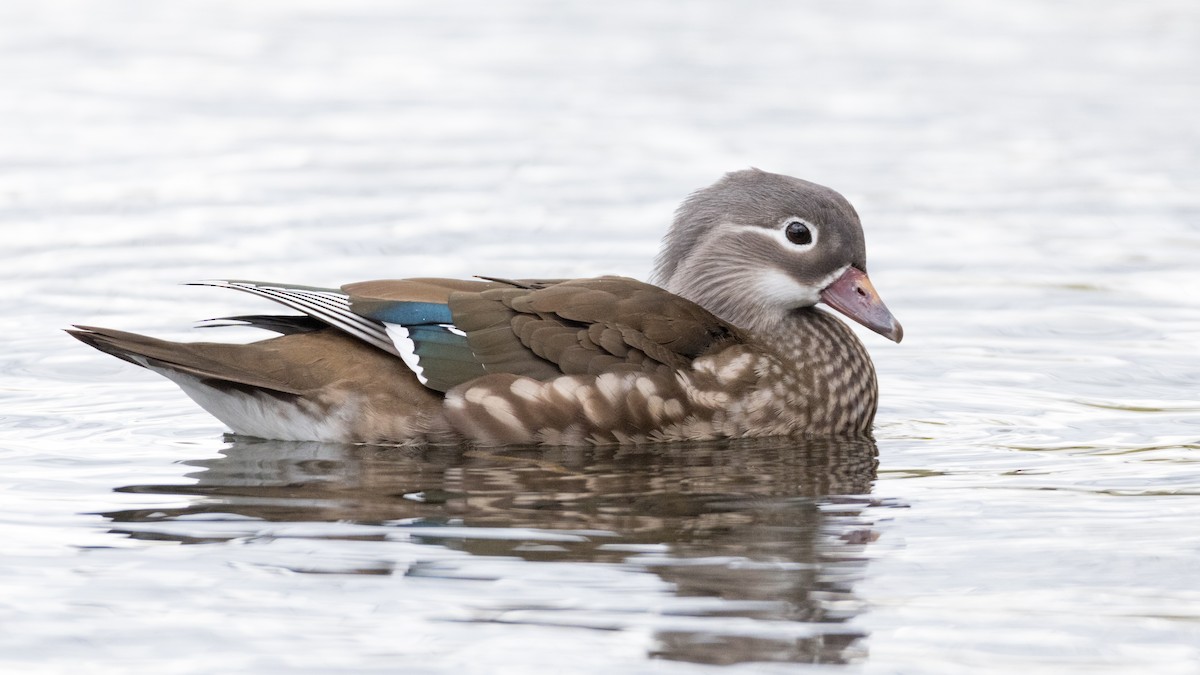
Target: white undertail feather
(266,416)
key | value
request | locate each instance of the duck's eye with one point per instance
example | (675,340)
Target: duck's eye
(799,233)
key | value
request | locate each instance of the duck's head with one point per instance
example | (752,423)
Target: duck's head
(755,246)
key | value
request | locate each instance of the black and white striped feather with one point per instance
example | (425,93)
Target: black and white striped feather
(329,305)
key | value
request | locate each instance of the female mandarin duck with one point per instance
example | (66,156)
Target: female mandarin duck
(728,344)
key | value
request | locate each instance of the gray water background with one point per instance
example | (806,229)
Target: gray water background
(1029,177)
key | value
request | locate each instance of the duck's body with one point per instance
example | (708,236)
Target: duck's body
(604,360)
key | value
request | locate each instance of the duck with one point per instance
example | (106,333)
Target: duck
(726,340)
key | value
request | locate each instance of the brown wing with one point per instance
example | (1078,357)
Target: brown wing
(539,328)
(585,326)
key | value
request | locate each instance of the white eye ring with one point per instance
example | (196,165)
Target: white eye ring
(780,233)
(798,233)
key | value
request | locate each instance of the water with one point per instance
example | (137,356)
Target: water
(1028,174)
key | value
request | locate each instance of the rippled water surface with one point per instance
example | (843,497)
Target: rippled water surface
(1029,176)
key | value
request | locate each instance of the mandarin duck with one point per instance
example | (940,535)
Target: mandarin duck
(727,342)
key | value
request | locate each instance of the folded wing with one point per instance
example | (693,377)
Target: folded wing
(452,331)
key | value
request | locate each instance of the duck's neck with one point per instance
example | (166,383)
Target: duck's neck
(730,281)
(830,365)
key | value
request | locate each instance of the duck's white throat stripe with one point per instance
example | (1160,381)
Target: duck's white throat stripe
(779,288)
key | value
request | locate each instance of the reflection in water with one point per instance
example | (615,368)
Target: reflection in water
(765,531)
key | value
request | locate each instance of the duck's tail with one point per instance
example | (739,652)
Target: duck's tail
(215,363)
(312,385)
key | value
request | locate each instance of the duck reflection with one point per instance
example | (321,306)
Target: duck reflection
(773,528)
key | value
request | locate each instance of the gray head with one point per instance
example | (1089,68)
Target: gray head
(755,246)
